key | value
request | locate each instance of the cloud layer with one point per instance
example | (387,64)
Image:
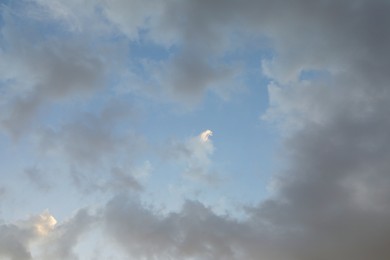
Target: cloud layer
(328,93)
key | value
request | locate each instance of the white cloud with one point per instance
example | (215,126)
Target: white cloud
(45,223)
(204,136)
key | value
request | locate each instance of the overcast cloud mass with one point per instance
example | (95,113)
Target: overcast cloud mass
(104,141)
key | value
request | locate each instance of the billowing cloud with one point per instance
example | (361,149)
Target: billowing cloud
(44,223)
(42,237)
(193,233)
(17,239)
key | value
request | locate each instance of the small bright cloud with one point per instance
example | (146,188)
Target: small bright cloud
(204,136)
(45,223)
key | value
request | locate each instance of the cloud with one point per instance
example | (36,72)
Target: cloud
(40,69)
(188,76)
(193,233)
(13,242)
(114,180)
(45,223)
(331,199)
(198,42)
(75,16)
(87,138)
(37,178)
(3,192)
(195,154)
(97,151)
(196,37)
(42,237)
(204,136)
(62,242)
(17,238)
(120,181)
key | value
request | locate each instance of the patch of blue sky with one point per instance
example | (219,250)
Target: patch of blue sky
(250,56)
(145,48)
(5,84)
(142,52)
(16,157)
(248,48)
(315,75)
(8,7)
(239,137)
(29,19)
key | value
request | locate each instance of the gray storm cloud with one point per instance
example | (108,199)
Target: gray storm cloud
(332,195)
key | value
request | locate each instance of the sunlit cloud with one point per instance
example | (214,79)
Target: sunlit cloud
(204,136)
(45,223)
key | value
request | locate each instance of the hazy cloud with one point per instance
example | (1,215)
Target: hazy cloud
(38,178)
(65,237)
(39,72)
(90,138)
(120,181)
(328,87)
(195,155)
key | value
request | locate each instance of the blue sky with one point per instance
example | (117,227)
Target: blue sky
(195,129)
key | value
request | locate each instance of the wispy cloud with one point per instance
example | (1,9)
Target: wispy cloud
(195,154)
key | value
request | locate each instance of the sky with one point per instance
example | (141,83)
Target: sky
(199,129)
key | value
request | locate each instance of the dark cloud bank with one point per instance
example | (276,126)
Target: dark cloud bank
(332,195)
